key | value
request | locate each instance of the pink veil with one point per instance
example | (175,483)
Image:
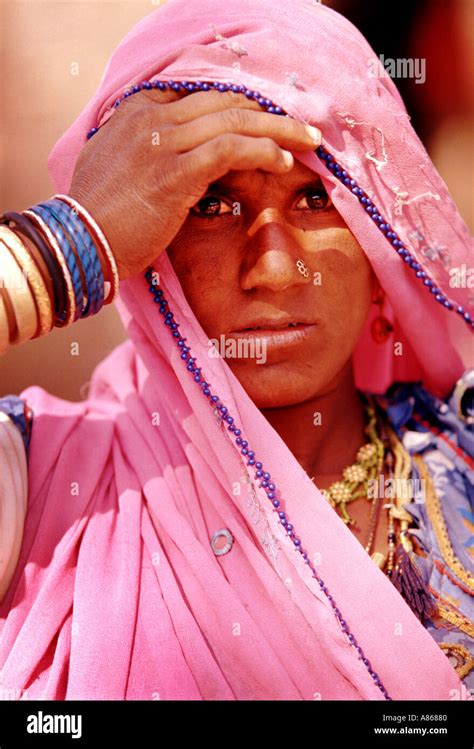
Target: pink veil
(117,593)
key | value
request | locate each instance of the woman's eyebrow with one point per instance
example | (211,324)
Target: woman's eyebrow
(239,181)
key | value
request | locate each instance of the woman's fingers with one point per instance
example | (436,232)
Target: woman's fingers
(286,131)
(197,117)
(184,107)
(214,158)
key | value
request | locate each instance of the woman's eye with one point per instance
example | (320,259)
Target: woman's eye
(210,206)
(317,199)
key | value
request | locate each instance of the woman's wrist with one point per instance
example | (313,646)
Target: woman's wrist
(56,267)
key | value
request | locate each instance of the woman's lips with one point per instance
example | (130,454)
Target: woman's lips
(288,336)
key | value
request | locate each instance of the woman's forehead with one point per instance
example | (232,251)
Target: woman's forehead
(255,179)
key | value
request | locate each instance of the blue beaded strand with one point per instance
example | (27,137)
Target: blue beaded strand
(192,86)
(260,472)
(330,163)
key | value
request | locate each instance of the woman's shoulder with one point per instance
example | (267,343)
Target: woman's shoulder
(23,410)
(36,429)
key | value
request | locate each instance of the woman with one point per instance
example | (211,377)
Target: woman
(217,520)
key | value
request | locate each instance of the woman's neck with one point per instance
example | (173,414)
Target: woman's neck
(323,433)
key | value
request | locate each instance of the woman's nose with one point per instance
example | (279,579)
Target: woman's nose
(272,254)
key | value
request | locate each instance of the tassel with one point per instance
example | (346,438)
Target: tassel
(411,586)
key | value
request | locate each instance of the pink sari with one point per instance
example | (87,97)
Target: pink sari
(117,593)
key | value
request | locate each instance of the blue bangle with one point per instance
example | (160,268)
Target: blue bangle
(69,256)
(87,252)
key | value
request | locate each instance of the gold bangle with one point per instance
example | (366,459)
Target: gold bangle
(10,313)
(19,296)
(53,244)
(35,280)
(4,324)
(100,237)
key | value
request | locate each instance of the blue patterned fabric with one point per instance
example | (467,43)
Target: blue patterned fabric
(443,526)
(21,415)
(444,558)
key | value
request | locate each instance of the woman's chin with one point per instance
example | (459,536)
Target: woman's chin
(275,385)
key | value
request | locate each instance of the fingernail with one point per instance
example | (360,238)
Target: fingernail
(288,158)
(314,134)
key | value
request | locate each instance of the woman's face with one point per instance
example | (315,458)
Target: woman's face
(236,258)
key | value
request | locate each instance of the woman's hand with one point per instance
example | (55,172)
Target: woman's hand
(155,157)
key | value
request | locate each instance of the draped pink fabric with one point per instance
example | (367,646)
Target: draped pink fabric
(117,593)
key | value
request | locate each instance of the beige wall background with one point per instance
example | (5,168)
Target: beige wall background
(42,43)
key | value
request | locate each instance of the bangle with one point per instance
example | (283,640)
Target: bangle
(81,240)
(68,314)
(68,251)
(100,240)
(59,255)
(35,280)
(4,323)
(52,278)
(38,261)
(9,312)
(19,297)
